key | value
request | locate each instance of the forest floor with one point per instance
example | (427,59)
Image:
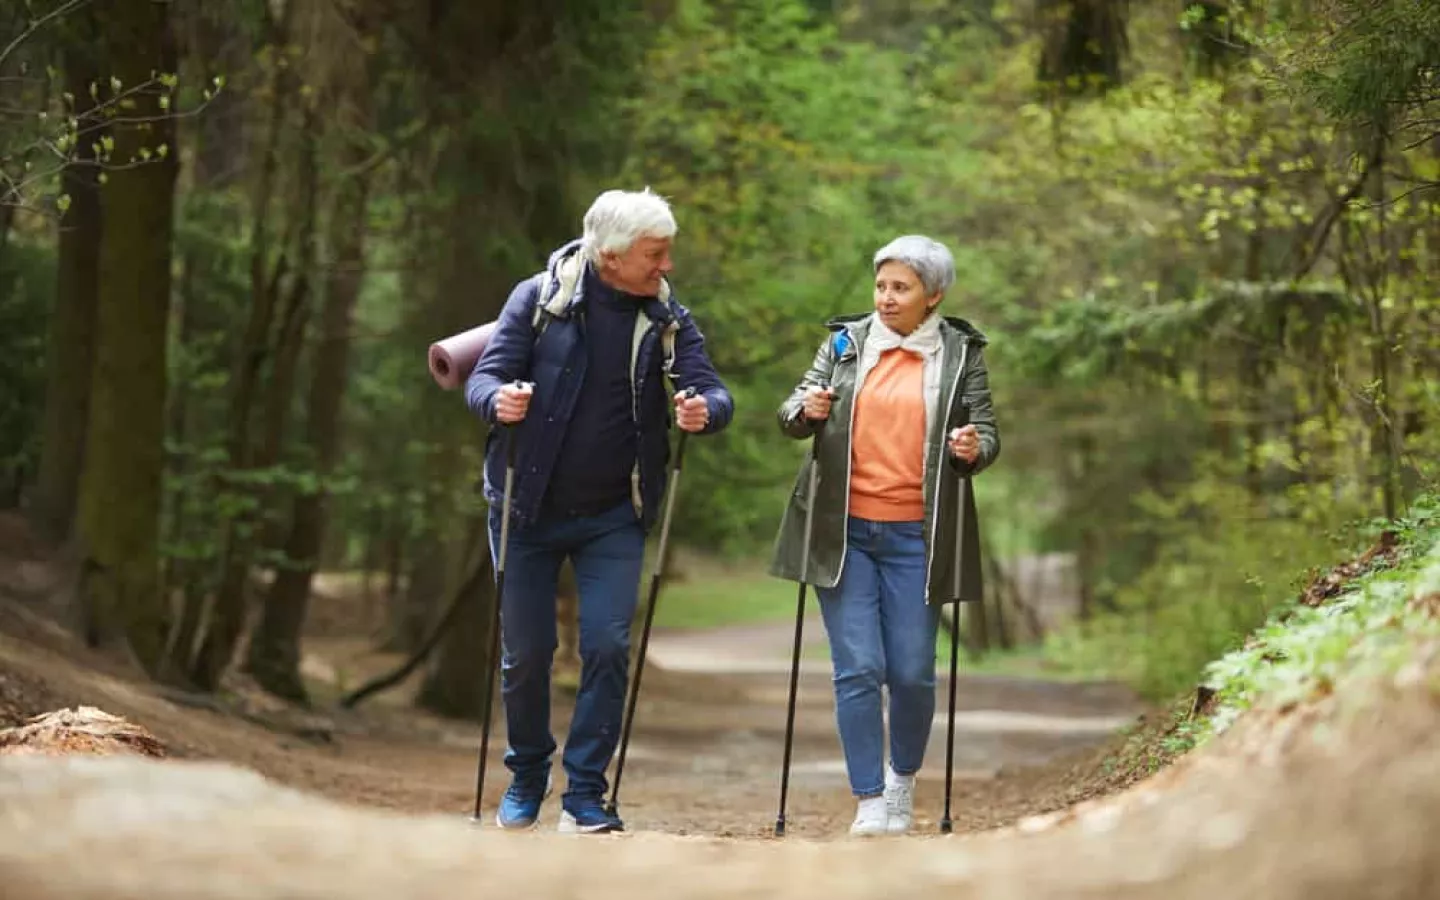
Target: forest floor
(1056,791)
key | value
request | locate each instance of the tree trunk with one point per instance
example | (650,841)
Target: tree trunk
(275,646)
(1386,442)
(120,489)
(177,428)
(71,340)
(7,222)
(227,619)
(481,571)
(289,340)
(424,585)
(1084,44)
(977,635)
(455,684)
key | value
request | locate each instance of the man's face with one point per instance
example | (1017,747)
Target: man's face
(639,269)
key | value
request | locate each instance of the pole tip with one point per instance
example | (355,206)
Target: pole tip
(945,826)
(780,827)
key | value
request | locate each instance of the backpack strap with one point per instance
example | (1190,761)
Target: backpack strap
(564,282)
(564,287)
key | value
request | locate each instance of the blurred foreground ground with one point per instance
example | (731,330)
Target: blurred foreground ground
(1337,799)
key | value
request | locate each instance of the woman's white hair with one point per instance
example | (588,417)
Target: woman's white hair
(618,218)
(929,259)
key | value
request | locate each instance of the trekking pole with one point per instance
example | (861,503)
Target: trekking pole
(614,804)
(962,488)
(799,623)
(494,660)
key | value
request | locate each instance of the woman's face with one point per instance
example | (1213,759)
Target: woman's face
(900,297)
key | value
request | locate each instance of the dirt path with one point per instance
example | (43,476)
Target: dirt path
(1329,801)
(704,758)
(1270,812)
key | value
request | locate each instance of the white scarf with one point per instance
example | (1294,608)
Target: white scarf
(925,341)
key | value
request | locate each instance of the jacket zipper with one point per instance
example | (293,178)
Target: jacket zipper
(935,517)
(849,463)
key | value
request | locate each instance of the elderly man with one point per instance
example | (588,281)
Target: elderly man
(575,366)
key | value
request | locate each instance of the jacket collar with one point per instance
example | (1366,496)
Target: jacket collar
(858,324)
(953,330)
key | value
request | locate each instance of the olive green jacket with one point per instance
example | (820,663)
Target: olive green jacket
(963,382)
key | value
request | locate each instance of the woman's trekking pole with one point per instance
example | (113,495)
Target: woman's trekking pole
(799,624)
(945,825)
(494,657)
(671,491)
(962,489)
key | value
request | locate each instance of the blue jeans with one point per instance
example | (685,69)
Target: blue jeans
(607,552)
(882,633)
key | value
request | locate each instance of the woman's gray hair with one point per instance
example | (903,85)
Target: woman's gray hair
(618,218)
(929,259)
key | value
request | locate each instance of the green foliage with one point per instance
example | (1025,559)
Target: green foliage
(1364,61)
(792,154)
(1202,360)
(1218,571)
(710,599)
(1371,630)
(27,283)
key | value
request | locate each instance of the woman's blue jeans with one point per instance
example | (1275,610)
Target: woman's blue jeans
(882,633)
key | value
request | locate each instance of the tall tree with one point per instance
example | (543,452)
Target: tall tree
(269,265)
(72,319)
(120,489)
(1084,45)
(274,653)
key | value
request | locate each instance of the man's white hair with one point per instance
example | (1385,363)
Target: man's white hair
(618,218)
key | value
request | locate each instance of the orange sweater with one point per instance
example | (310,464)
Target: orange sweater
(887,445)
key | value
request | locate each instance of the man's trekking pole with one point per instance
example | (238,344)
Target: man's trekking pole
(494,657)
(962,489)
(799,623)
(671,491)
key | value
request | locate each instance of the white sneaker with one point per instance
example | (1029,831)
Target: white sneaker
(899,801)
(871,817)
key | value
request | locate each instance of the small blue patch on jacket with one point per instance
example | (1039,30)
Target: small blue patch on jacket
(842,343)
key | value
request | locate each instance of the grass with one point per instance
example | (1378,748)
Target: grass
(716,594)
(741,594)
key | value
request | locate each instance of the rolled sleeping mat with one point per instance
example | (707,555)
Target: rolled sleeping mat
(453,359)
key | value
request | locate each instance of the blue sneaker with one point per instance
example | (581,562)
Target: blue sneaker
(520,807)
(589,817)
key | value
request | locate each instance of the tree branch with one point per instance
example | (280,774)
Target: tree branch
(478,572)
(1320,235)
(39,23)
(1418,189)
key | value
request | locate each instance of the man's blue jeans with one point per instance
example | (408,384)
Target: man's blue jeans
(607,552)
(882,633)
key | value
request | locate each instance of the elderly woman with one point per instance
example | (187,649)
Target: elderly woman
(885,399)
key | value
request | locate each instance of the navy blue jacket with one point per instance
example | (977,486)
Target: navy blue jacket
(556,363)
